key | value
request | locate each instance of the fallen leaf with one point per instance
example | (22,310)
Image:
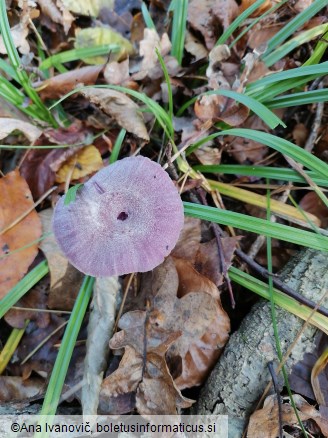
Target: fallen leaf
(88,7)
(119,106)
(58,12)
(36,298)
(65,280)
(189,240)
(195,47)
(15,388)
(16,199)
(100,330)
(63,83)
(208,16)
(84,162)
(37,171)
(311,203)
(8,125)
(264,423)
(150,66)
(245,4)
(18,34)
(116,73)
(95,36)
(248,151)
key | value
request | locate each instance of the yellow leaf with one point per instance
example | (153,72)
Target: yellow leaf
(88,7)
(97,36)
(86,161)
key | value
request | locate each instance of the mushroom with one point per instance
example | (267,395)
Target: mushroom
(126,218)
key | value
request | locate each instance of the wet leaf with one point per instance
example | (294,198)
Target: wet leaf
(119,106)
(16,199)
(84,162)
(8,125)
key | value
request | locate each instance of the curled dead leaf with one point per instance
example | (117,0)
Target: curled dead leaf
(8,125)
(119,106)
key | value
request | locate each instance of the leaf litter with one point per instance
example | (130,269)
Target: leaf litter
(174,327)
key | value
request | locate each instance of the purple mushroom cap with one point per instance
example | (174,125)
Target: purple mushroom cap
(125,219)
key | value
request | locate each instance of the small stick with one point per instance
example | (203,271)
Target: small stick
(218,234)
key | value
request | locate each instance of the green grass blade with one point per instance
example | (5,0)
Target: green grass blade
(71,193)
(295,24)
(23,286)
(257,225)
(59,371)
(117,146)
(319,50)
(277,173)
(271,119)
(282,300)
(292,44)
(296,99)
(179,24)
(11,345)
(238,21)
(146,16)
(256,87)
(283,146)
(76,54)
(168,83)
(16,64)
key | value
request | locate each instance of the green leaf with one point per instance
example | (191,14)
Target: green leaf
(71,193)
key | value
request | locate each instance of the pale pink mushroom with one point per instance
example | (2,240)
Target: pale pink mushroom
(126,218)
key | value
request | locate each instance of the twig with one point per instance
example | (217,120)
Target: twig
(310,142)
(279,284)
(218,234)
(276,388)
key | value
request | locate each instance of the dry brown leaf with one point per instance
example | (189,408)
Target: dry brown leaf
(8,125)
(189,240)
(123,110)
(217,108)
(311,203)
(36,298)
(65,280)
(16,199)
(150,66)
(116,73)
(17,389)
(259,11)
(207,16)
(57,12)
(260,35)
(245,150)
(63,83)
(264,423)
(19,34)
(195,47)
(84,162)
